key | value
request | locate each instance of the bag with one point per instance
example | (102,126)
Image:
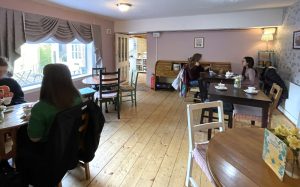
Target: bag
(9,178)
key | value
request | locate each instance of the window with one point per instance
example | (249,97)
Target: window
(28,69)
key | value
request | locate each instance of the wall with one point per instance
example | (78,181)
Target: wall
(232,20)
(64,13)
(289,61)
(219,45)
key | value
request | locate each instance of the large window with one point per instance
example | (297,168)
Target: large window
(28,69)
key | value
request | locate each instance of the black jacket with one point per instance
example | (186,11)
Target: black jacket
(15,88)
(63,149)
(270,76)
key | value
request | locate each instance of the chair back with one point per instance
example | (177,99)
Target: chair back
(109,83)
(96,71)
(134,78)
(274,95)
(194,127)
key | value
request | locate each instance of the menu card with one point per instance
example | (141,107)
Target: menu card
(274,153)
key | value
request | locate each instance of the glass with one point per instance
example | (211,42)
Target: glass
(28,69)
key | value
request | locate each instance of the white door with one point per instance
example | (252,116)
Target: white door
(122,55)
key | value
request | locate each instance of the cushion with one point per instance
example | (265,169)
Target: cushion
(243,112)
(126,88)
(105,96)
(199,155)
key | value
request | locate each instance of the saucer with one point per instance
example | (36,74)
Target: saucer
(253,92)
(220,88)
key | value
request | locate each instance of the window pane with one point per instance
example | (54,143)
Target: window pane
(28,69)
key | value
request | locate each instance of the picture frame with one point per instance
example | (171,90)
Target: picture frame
(296,40)
(198,42)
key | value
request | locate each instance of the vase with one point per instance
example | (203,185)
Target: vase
(292,167)
(1,116)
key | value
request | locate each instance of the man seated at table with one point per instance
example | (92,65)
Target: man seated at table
(15,88)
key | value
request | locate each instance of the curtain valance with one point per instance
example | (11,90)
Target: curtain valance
(39,28)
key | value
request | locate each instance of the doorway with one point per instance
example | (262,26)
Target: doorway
(138,56)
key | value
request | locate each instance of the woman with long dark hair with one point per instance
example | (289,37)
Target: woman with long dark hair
(57,93)
(195,69)
(250,77)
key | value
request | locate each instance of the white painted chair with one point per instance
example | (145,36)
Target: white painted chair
(198,150)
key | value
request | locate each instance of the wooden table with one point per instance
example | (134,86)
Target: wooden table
(12,121)
(238,96)
(234,158)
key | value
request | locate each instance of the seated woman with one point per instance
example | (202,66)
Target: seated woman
(250,77)
(57,93)
(195,69)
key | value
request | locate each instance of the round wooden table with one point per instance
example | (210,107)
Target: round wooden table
(234,158)
(91,80)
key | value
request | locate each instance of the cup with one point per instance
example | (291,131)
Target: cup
(251,89)
(221,85)
(7,100)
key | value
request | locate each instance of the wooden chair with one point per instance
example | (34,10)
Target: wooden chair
(228,107)
(130,89)
(96,71)
(198,150)
(109,90)
(253,114)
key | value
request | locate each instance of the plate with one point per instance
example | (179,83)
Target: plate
(220,88)
(253,92)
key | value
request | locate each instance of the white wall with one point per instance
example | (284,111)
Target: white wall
(291,107)
(234,20)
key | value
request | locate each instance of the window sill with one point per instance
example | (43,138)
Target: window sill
(35,88)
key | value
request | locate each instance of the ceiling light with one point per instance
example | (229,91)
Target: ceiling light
(124,7)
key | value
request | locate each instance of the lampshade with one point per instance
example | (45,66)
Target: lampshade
(269,30)
(267,37)
(124,7)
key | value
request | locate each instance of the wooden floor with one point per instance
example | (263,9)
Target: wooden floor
(146,147)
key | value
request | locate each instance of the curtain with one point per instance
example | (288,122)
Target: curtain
(39,28)
(96,32)
(11,35)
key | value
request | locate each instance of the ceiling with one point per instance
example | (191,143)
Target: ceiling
(167,8)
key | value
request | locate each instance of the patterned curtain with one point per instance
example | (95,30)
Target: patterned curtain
(40,28)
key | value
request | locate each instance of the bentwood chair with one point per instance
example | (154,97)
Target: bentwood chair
(254,114)
(109,90)
(198,150)
(130,89)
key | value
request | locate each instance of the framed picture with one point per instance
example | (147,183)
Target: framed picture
(296,40)
(199,42)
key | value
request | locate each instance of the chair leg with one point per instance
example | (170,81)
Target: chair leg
(202,116)
(131,95)
(230,121)
(189,169)
(59,184)
(87,171)
(106,109)
(118,107)
(135,97)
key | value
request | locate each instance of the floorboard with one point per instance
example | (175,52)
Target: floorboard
(147,147)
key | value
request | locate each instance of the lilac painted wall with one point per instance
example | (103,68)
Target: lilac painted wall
(219,45)
(54,11)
